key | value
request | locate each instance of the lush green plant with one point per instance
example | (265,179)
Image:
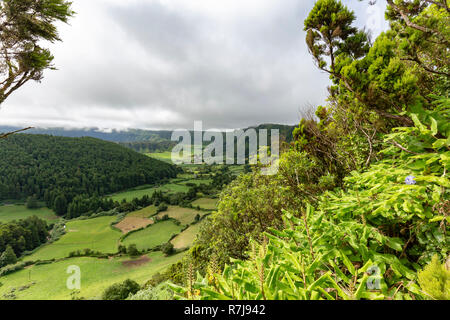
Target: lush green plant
(434,280)
(167,248)
(8,256)
(121,291)
(160,292)
(25,26)
(365,241)
(132,250)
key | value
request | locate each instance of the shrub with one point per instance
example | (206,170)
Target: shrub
(122,248)
(167,248)
(132,250)
(160,292)
(8,257)
(162,207)
(32,203)
(434,280)
(121,291)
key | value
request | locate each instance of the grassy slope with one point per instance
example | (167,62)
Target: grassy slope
(140,192)
(154,235)
(197,181)
(96,275)
(187,237)
(16,212)
(133,193)
(184,215)
(144,212)
(163,156)
(95,234)
(206,203)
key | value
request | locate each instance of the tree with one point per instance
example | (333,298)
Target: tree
(167,248)
(60,205)
(330,33)
(121,291)
(132,250)
(8,257)
(24,24)
(32,203)
(162,207)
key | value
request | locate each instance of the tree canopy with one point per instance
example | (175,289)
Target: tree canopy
(24,25)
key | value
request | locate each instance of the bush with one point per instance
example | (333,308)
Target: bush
(160,292)
(121,291)
(167,248)
(122,248)
(162,207)
(32,203)
(8,257)
(434,280)
(132,250)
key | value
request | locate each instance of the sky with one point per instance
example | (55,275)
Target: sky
(163,64)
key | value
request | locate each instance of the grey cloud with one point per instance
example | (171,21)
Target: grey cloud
(149,65)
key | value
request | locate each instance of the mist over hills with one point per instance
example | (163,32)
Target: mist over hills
(135,135)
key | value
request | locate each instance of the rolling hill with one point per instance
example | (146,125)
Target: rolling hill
(48,166)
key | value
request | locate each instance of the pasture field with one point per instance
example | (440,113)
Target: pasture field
(197,181)
(95,234)
(153,235)
(187,237)
(173,187)
(206,203)
(144,212)
(163,156)
(184,215)
(96,275)
(132,223)
(17,212)
(140,192)
(185,175)
(133,193)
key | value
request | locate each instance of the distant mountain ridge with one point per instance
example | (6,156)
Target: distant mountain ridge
(138,139)
(131,135)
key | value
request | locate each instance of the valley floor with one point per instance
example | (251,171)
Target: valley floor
(47,275)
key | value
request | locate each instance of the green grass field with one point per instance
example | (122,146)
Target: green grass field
(96,275)
(16,212)
(172,187)
(152,236)
(166,156)
(163,156)
(133,193)
(184,215)
(206,203)
(197,181)
(187,237)
(144,212)
(140,192)
(95,234)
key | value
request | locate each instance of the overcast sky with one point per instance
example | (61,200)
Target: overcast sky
(161,64)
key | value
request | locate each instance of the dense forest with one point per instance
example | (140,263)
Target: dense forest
(125,136)
(57,169)
(20,236)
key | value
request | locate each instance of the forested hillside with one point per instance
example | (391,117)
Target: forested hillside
(56,169)
(131,135)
